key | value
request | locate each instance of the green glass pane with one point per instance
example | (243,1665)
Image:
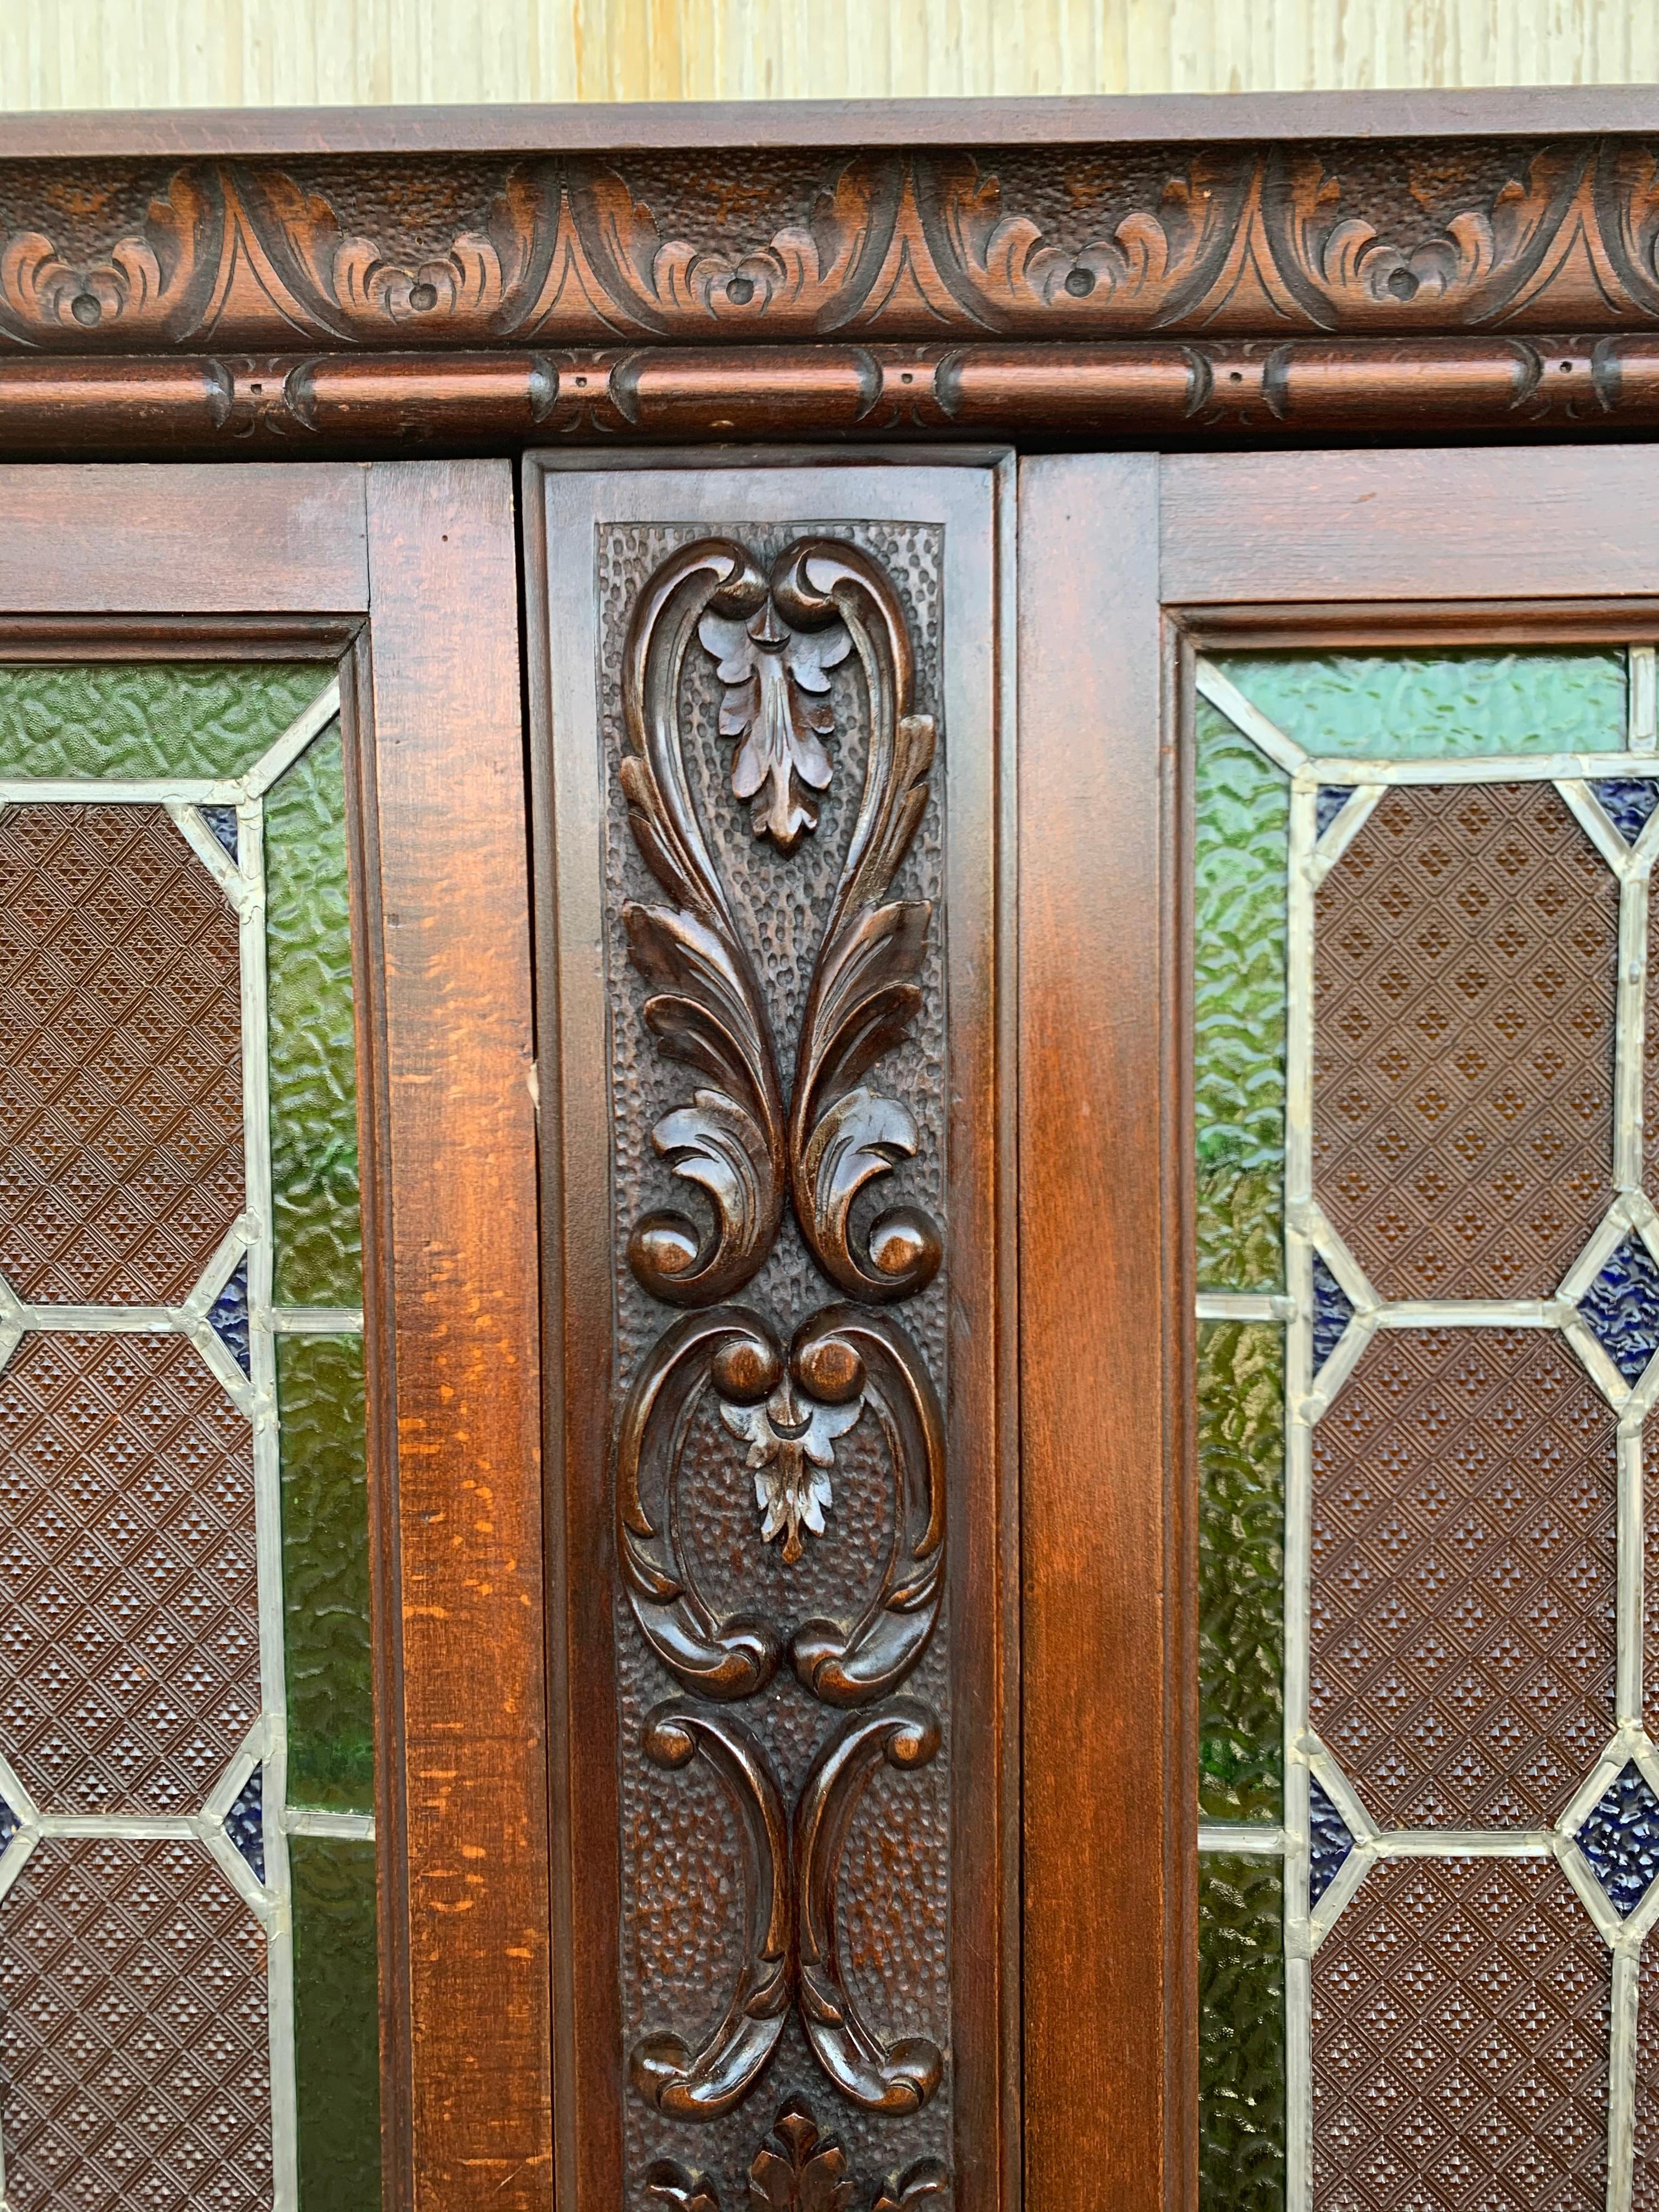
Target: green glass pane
(201,719)
(313,1053)
(1240,864)
(330,1697)
(1241,1569)
(1241,2035)
(336,2013)
(1438,706)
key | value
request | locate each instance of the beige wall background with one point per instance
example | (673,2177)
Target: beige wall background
(179,54)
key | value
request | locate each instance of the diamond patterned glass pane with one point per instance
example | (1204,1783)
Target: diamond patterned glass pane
(1241,1571)
(229,1316)
(1241,2035)
(1620,1839)
(330,1726)
(1460,2042)
(1629,801)
(133,2032)
(120,1057)
(313,1053)
(1621,1308)
(1332,1841)
(129,1671)
(245,1823)
(336,2008)
(1462,1635)
(1238,999)
(1438,706)
(107,720)
(1464,978)
(1332,1311)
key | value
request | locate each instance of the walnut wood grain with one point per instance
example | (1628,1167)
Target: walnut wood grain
(1423,525)
(1109,1805)
(462,1703)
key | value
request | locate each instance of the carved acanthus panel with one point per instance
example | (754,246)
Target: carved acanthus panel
(776,948)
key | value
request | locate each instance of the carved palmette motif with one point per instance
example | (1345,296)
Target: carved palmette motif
(762,1153)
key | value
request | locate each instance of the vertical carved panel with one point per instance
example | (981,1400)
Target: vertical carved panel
(784,1427)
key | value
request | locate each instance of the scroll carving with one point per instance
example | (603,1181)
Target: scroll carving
(799,2169)
(864,994)
(890,247)
(725,1389)
(896,2077)
(706,1008)
(699,2085)
(839,1360)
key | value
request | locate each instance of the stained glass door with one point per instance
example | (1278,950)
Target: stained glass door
(1340,1302)
(221,1918)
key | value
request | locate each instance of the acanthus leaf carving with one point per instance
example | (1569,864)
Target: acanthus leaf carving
(799,2169)
(839,1360)
(777,706)
(864,993)
(704,2084)
(706,1007)
(894,2078)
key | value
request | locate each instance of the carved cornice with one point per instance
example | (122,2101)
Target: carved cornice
(738,248)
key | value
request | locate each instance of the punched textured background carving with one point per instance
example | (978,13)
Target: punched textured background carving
(120,1057)
(130,1667)
(1462,1577)
(1644,2195)
(679,1948)
(1464,987)
(137,2061)
(1460,2043)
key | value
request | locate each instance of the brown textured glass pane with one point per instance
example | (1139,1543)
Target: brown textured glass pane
(337,2014)
(1241,1569)
(313,1050)
(120,1057)
(1462,1577)
(107,720)
(331,1707)
(1460,2043)
(136,2056)
(1240,856)
(130,1669)
(1241,2035)
(1465,975)
(1644,2196)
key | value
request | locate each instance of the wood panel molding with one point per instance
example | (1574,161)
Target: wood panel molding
(1211,291)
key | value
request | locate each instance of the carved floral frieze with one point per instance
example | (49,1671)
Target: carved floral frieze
(1242,241)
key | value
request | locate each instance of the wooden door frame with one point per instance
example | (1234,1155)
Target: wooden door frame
(403,576)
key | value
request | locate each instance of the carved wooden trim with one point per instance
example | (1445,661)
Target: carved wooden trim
(871,244)
(1248,391)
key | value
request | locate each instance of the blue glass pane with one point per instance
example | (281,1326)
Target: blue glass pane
(245,1823)
(1332,797)
(229,1316)
(1622,1308)
(9,1824)
(1628,801)
(1331,1840)
(222,820)
(1620,1839)
(1332,1312)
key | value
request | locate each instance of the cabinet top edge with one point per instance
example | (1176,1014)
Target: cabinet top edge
(598,127)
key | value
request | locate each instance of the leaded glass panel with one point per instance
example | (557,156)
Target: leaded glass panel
(1420,947)
(187,1889)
